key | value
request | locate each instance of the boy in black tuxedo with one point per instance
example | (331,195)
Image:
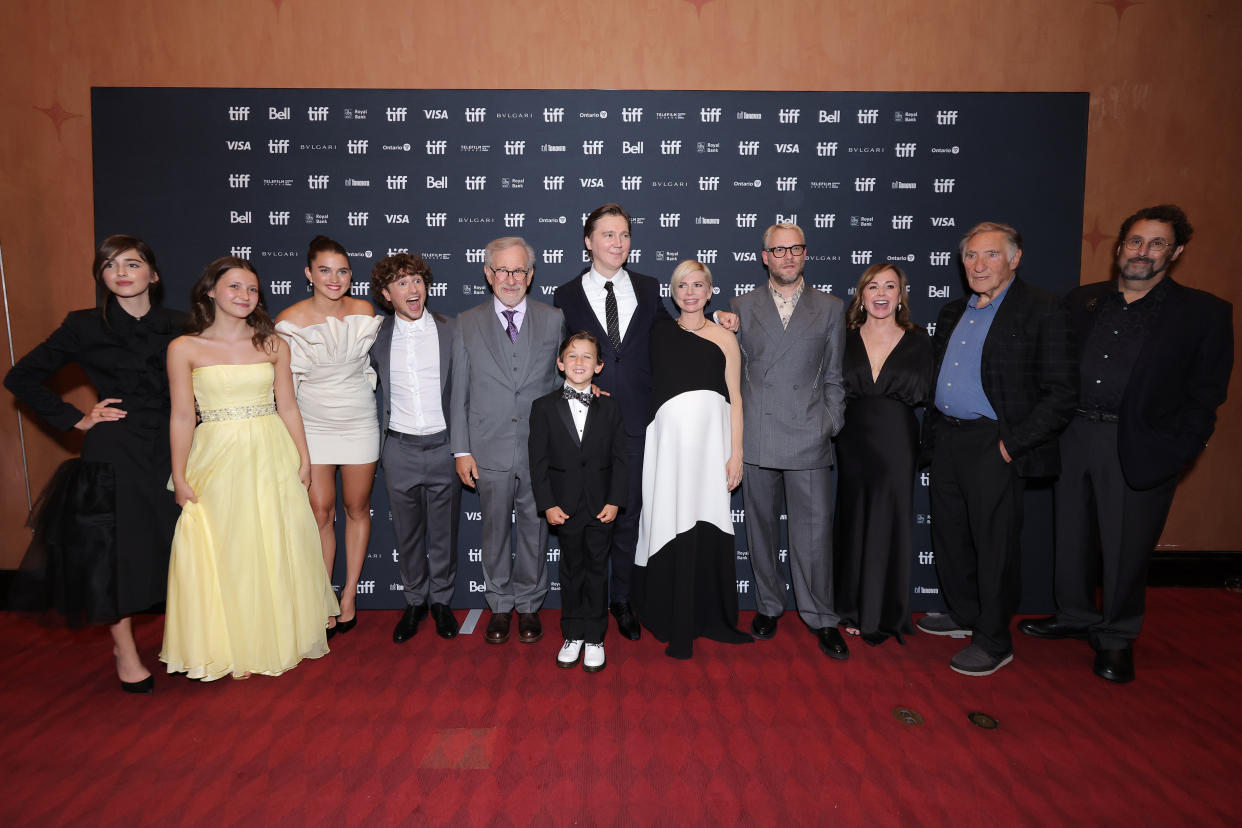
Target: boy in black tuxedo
(578,472)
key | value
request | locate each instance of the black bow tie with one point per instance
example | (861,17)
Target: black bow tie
(583,397)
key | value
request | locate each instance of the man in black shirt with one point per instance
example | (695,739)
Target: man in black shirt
(1155,359)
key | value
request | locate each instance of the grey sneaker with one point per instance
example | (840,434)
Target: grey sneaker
(941,625)
(975,661)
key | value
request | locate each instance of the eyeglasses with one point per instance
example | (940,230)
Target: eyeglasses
(1156,246)
(779,252)
(504,272)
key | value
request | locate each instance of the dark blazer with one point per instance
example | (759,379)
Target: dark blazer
(1168,410)
(381,361)
(581,477)
(627,373)
(1029,372)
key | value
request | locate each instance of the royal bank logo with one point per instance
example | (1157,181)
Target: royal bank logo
(593,147)
(239,113)
(788,116)
(864,185)
(238,146)
(476,182)
(946,117)
(515,219)
(553,114)
(868,116)
(355,218)
(317,181)
(357,146)
(905,150)
(826,149)
(862,221)
(746,219)
(944,185)
(631,147)
(475,114)
(860,257)
(747,147)
(239,180)
(436,219)
(436,147)
(278,146)
(710,114)
(278,218)
(939,258)
(512,183)
(786,184)
(355,114)
(709,182)
(396,218)
(395,114)
(825,221)
(515,147)
(240,252)
(435,114)
(316,113)
(706,256)
(631,182)
(787,149)
(553,256)
(833,117)
(670,147)
(631,114)
(397,182)
(902,222)
(554,182)
(670,219)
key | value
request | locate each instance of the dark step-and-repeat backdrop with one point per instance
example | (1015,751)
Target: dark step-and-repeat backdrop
(871,177)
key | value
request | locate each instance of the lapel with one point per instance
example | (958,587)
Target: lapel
(562,408)
(644,313)
(767,317)
(444,337)
(526,335)
(496,339)
(381,350)
(1011,309)
(805,316)
(576,294)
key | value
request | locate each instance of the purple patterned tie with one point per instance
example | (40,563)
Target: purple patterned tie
(510,327)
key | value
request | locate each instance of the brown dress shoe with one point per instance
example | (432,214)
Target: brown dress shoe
(498,628)
(529,628)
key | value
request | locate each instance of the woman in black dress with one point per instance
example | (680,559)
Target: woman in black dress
(103,525)
(887,371)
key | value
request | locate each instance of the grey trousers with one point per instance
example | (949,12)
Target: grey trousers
(424,496)
(515,547)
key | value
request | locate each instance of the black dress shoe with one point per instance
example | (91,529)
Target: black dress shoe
(1049,627)
(1115,665)
(832,643)
(530,629)
(343,627)
(498,628)
(627,623)
(147,685)
(763,627)
(446,622)
(407,627)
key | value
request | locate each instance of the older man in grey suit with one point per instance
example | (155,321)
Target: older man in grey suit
(504,357)
(792,337)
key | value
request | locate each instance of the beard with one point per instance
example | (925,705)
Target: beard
(1151,271)
(780,278)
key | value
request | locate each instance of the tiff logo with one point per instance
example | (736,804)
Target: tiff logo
(860,257)
(905,150)
(825,220)
(476,182)
(239,180)
(631,114)
(515,147)
(474,255)
(278,218)
(435,147)
(239,113)
(747,147)
(788,116)
(743,587)
(868,116)
(395,114)
(946,117)
(746,219)
(826,149)
(554,182)
(631,182)
(316,113)
(278,146)
(864,185)
(788,183)
(317,182)
(553,256)
(670,219)
(939,258)
(397,182)
(366,587)
(670,148)
(475,114)
(710,114)
(902,222)
(944,185)
(356,219)
(357,147)
(240,252)
(592,147)
(436,219)
(553,114)
(515,219)
(709,182)
(281,287)
(706,256)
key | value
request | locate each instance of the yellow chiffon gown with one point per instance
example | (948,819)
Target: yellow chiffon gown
(247,588)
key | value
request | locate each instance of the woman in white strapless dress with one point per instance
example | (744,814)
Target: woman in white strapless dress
(330,335)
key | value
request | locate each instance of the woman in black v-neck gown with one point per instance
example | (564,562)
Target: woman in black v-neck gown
(877,452)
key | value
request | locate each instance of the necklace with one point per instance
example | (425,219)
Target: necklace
(691,330)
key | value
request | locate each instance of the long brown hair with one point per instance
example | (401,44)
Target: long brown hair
(203,307)
(108,250)
(856,315)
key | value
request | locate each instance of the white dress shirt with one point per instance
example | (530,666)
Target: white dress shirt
(579,411)
(627,300)
(414,387)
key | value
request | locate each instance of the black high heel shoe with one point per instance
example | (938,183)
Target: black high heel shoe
(147,685)
(343,627)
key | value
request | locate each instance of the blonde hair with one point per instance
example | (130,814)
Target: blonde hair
(684,269)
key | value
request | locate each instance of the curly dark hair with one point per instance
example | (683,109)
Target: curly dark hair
(856,314)
(203,307)
(1167,213)
(109,249)
(391,268)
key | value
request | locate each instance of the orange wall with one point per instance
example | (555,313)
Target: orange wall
(1162,74)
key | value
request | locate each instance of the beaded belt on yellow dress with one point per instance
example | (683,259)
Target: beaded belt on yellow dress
(240,412)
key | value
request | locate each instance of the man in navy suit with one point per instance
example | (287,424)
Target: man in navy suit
(1154,359)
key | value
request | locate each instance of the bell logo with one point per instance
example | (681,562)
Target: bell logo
(670,148)
(670,219)
(239,113)
(864,185)
(554,182)
(788,149)
(792,218)
(475,114)
(788,116)
(356,219)
(435,114)
(833,117)
(239,180)
(709,182)
(710,114)
(317,182)
(787,184)
(515,147)
(357,147)
(860,257)
(868,116)
(946,117)
(278,146)
(905,150)
(240,218)
(943,221)
(631,182)
(631,147)
(632,114)
(436,147)
(397,182)
(476,182)
(553,256)
(826,149)
(240,252)
(236,146)
(436,219)
(592,147)
(746,219)
(475,586)
(903,222)
(395,114)
(706,256)
(553,114)
(825,220)
(747,147)
(934,292)
(283,114)
(944,185)
(316,113)
(515,219)
(397,218)
(278,218)
(475,255)
(939,258)
(440,183)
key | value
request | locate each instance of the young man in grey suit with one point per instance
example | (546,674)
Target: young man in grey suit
(413,357)
(504,358)
(792,337)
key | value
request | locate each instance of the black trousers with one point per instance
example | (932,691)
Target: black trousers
(976,503)
(584,578)
(1105,534)
(625,533)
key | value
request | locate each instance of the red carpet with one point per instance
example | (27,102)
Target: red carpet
(773,733)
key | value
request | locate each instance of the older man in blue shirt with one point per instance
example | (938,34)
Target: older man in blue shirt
(1006,384)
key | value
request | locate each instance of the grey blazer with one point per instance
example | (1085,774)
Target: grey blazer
(793,401)
(490,399)
(381,361)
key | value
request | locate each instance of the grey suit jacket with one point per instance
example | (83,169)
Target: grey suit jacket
(490,400)
(793,401)
(381,361)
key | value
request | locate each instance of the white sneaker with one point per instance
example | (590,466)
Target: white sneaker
(570,651)
(593,658)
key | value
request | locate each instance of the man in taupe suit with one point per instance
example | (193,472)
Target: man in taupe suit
(792,337)
(504,358)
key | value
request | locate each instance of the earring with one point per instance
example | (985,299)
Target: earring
(310,287)
(898,306)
